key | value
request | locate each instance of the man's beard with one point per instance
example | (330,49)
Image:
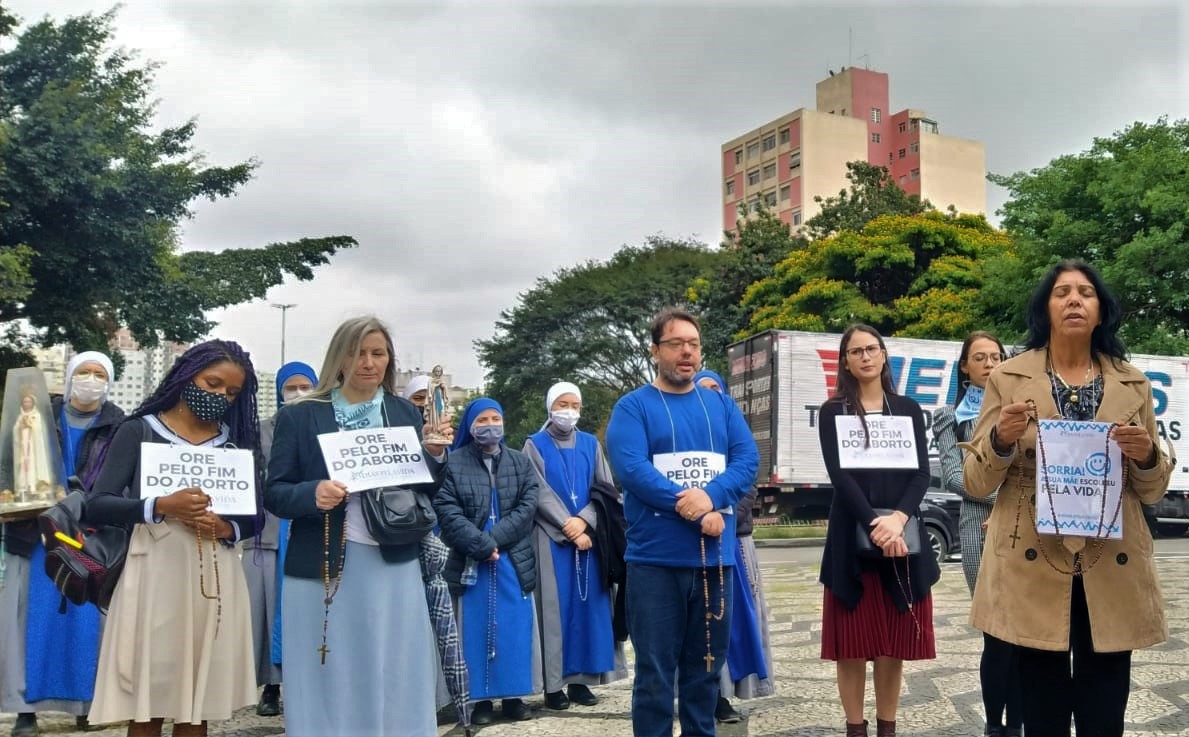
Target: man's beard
(672,376)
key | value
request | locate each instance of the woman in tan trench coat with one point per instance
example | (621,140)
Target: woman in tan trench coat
(1057,596)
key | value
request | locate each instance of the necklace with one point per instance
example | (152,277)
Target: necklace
(722,598)
(1073,391)
(326,579)
(218,595)
(492,596)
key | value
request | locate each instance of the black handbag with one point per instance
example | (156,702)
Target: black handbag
(396,516)
(912,537)
(84,562)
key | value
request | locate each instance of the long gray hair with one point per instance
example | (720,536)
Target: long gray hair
(342,352)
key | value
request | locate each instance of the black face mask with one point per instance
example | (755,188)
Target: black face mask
(206,406)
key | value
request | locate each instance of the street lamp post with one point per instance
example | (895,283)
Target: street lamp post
(284,309)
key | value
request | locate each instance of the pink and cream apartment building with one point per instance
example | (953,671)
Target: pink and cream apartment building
(786,162)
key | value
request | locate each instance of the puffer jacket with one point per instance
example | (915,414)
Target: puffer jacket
(463,504)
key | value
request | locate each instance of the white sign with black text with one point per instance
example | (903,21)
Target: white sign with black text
(375,458)
(888,442)
(226,475)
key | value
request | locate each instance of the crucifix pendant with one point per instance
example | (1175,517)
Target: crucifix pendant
(574,499)
(709,662)
(1013,537)
(324,650)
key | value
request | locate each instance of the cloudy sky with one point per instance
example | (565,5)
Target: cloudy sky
(473,147)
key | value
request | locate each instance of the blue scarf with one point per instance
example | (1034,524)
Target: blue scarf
(368,413)
(970,405)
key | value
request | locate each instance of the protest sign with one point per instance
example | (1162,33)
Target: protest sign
(888,442)
(375,458)
(1078,466)
(226,475)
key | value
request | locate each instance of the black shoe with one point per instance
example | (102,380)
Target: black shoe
(25,725)
(1013,732)
(726,713)
(515,710)
(270,701)
(484,713)
(581,695)
(556,700)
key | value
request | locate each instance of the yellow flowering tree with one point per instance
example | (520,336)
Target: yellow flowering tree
(909,275)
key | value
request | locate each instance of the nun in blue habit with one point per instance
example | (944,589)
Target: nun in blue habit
(749,650)
(485,509)
(263,557)
(574,606)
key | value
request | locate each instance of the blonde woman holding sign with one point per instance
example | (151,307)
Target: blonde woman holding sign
(178,639)
(1066,597)
(357,640)
(878,604)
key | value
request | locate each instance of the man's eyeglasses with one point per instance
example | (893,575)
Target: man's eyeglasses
(984,357)
(871,350)
(676,344)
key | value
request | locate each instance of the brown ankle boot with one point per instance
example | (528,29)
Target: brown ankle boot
(884,728)
(856,730)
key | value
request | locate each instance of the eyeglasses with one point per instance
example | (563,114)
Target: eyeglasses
(871,350)
(676,344)
(984,357)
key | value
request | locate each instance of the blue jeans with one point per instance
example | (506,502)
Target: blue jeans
(666,611)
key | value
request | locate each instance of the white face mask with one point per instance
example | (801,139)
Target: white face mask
(88,389)
(290,394)
(565,419)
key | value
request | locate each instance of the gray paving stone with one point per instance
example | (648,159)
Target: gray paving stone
(941,697)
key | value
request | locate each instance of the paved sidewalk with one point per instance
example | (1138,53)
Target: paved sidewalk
(941,697)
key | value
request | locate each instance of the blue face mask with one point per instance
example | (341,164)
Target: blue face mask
(487,436)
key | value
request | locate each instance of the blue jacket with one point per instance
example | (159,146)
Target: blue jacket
(463,504)
(296,466)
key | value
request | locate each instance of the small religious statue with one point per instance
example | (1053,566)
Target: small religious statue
(31,468)
(437,408)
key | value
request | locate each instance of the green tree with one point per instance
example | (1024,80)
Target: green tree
(91,197)
(1122,206)
(872,193)
(748,254)
(912,276)
(588,324)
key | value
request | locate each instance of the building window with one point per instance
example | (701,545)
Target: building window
(875,138)
(755,205)
(914,125)
(738,157)
(891,157)
(876,115)
(784,192)
(916,173)
(753,176)
(753,149)
(769,171)
(730,186)
(929,126)
(770,142)
(903,179)
(915,147)
(770,199)
(785,135)
(796,218)
(902,127)
(903,153)
(795,161)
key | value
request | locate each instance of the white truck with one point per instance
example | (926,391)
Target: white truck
(780,378)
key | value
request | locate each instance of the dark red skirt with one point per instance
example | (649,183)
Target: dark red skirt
(876,628)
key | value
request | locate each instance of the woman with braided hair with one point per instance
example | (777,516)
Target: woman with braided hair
(178,639)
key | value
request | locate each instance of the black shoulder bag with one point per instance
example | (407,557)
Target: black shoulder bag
(396,515)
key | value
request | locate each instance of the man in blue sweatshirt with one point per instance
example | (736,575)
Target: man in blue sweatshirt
(684,456)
